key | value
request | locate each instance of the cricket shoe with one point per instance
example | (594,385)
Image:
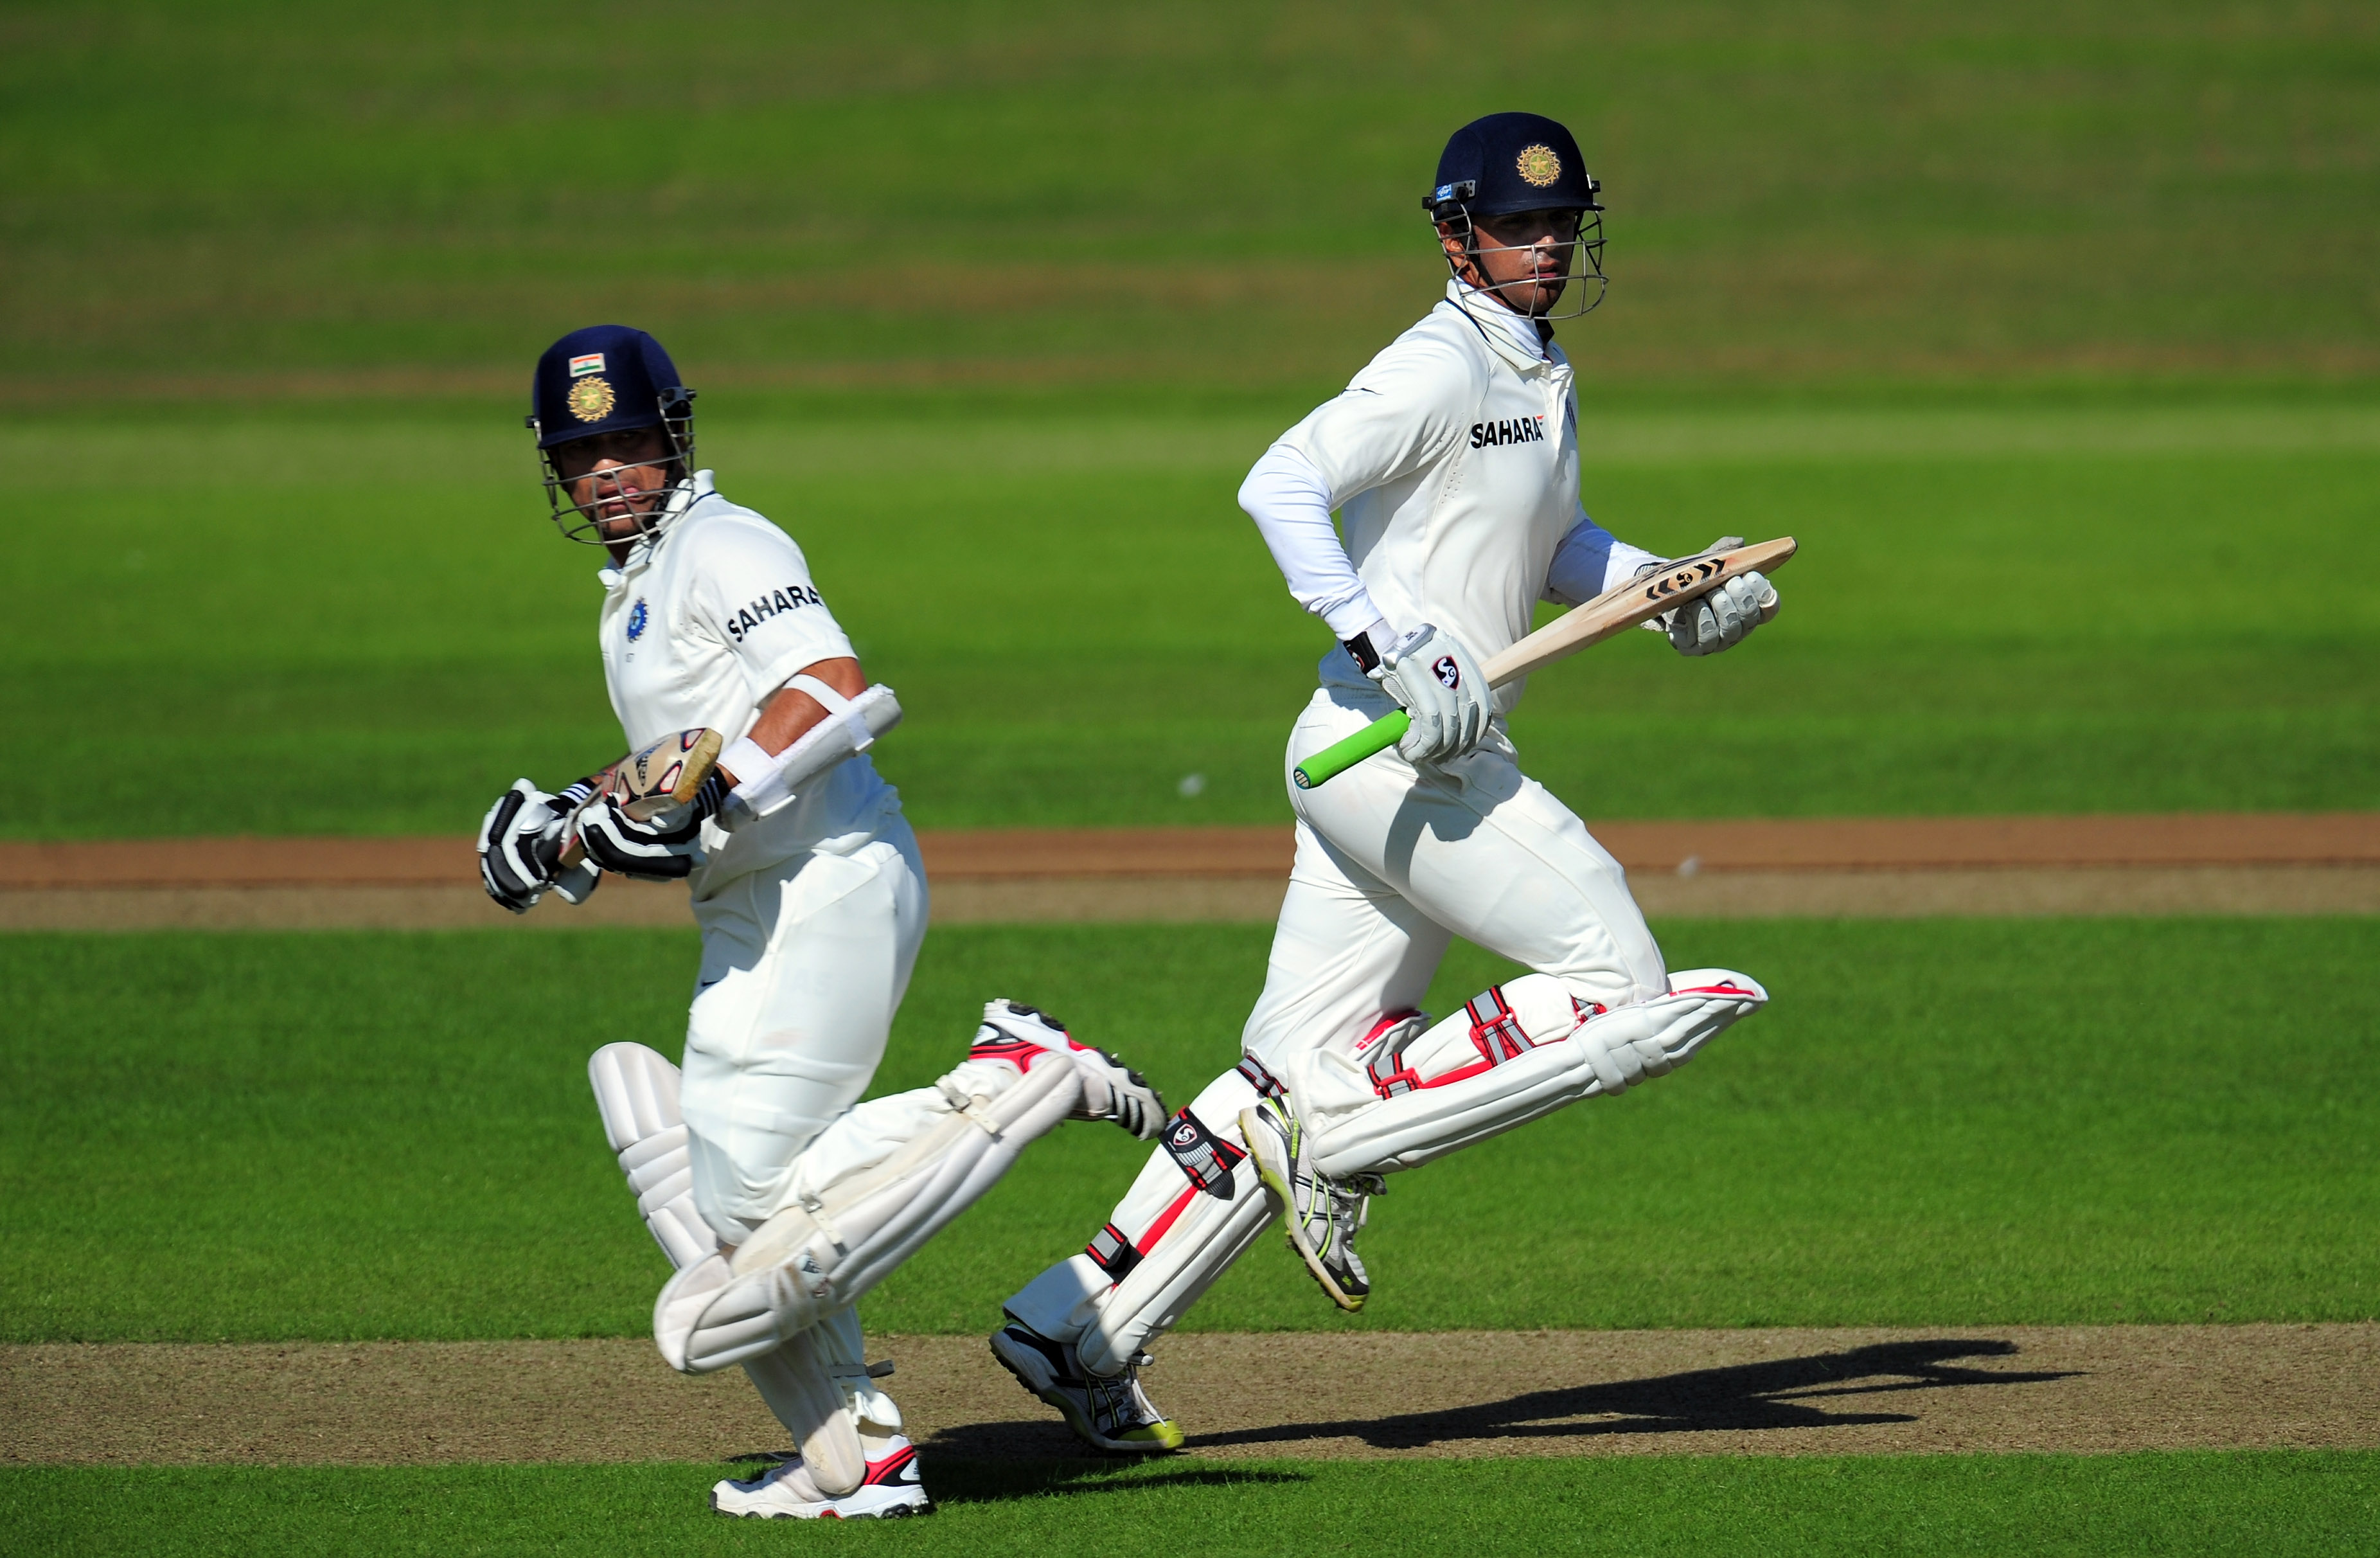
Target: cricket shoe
(1107,1412)
(892,1489)
(1323,1214)
(1113,1092)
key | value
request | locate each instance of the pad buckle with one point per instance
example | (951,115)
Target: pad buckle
(1496,1030)
(1383,1051)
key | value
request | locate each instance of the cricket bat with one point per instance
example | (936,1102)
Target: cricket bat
(1614,611)
(651,779)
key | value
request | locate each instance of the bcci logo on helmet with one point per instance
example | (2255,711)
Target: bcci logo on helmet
(591,399)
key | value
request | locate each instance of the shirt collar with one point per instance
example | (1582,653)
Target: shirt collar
(1512,335)
(682,503)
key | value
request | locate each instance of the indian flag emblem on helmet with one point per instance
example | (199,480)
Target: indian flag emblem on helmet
(1540,165)
(591,399)
(582,366)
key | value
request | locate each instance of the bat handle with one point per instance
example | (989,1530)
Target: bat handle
(574,850)
(1340,756)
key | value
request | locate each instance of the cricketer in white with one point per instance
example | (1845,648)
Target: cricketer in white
(1452,462)
(778,1195)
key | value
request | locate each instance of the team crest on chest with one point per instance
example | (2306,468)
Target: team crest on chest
(637,616)
(590,399)
(1539,165)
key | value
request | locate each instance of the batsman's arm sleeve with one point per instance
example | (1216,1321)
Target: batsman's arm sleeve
(1291,504)
(1589,561)
(1407,408)
(753,588)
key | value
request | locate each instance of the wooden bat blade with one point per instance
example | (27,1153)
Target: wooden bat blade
(1641,600)
(652,779)
(1613,611)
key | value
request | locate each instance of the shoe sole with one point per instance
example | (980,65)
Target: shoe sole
(1277,1186)
(1083,1430)
(901,1510)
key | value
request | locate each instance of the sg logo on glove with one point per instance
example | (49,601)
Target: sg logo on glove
(1449,674)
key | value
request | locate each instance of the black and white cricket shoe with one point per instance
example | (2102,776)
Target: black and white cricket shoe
(1107,1412)
(894,1489)
(1323,1215)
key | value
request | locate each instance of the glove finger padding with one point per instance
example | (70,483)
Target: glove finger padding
(520,846)
(1723,618)
(666,849)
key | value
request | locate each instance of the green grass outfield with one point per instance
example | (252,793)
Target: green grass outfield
(259,195)
(2269,1503)
(325,1136)
(335,622)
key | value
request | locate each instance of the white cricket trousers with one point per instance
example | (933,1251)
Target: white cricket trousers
(1392,863)
(804,965)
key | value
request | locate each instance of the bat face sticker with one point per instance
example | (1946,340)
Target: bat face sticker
(1693,577)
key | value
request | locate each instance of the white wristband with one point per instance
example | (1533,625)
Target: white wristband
(751,766)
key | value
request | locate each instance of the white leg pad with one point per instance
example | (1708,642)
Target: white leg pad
(816,1384)
(636,1091)
(798,1381)
(819,1386)
(1540,1055)
(1168,1242)
(840,1238)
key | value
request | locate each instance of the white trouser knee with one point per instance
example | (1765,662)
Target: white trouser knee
(1172,1235)
(1517,1052)
(804,965)
(849,1227)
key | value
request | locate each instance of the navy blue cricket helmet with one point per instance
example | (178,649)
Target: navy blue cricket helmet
(1511,162)
(1508,162)
(607,378)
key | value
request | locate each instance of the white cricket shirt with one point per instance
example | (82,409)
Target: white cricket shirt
(1452,461)
(701,625)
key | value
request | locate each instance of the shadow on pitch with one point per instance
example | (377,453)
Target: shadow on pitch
(956,1475)
(1793,1393)
(989,1463)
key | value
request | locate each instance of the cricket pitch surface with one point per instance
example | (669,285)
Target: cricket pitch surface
(1944,1389)
(2182,863)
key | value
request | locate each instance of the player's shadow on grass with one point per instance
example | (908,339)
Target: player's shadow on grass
(1781,1394)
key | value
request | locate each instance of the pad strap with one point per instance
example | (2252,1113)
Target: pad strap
(837,707)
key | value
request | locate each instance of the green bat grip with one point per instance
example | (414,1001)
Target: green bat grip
(1340,756)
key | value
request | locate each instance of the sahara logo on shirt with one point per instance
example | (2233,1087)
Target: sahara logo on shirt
(1520,430)
(793,597)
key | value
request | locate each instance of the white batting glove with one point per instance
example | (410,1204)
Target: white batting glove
(1722,619)
(1440,685)
(520,844)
